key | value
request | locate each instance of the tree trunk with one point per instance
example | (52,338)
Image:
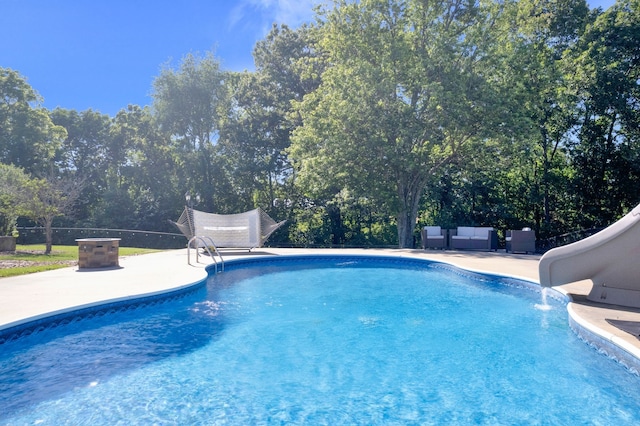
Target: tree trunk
(409,198)
(48,231)
(405,230)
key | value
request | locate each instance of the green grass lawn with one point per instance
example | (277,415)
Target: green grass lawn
(31,258)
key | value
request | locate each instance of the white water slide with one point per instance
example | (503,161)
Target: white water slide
(610,259)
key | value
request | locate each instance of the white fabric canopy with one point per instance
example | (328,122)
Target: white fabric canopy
(242,230)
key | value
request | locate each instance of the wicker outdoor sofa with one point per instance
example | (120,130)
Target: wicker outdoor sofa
(473,238)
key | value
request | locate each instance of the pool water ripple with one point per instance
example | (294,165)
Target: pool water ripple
(331,341)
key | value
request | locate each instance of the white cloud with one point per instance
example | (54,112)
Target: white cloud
(293,12)
(264,13)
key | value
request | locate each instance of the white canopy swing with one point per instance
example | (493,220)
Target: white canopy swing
(246,230)
(242,230)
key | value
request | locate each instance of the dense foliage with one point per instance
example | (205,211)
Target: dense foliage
(383,116)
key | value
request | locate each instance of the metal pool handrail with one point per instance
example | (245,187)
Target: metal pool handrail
(207,242)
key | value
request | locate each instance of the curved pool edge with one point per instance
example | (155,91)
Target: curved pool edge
(50,319)
(172,266)
(603,341)
(35,297)
(478,274)
(607,343)
(588,322)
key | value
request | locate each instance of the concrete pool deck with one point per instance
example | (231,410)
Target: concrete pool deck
(30,297)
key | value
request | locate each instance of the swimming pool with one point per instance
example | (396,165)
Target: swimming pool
(329,340)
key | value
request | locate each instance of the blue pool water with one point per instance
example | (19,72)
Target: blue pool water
(321,341)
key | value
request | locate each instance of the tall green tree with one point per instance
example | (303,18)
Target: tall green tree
(258,129)
(148,173)
(536,35)
(28,138)
(405,90)
(12,181)
(605,154)
(189,104)
(84,155)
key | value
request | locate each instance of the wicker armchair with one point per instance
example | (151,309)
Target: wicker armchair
(434,237)
(521,241)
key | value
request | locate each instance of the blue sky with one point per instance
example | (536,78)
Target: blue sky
(104,55)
